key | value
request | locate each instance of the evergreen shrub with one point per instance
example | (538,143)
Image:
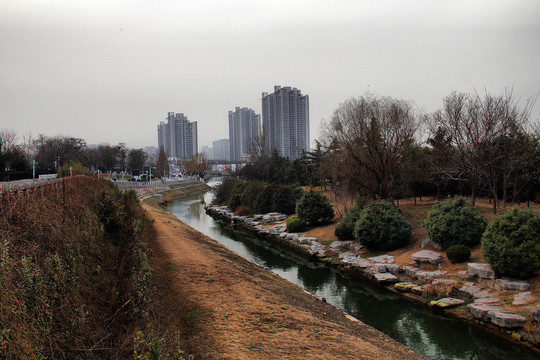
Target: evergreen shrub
(223,191)
(511,243)
(263,203)
(250,193)
(284,201)
(382,227)
(458,253)
(455,222)
(315,208)
(295,224)
(345,229)
(234,201)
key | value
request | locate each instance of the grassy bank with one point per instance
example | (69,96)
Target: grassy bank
(75,275)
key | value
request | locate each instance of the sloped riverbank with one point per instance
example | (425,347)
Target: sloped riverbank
(243,311)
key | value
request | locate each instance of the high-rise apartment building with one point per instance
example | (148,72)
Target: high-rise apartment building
(244,128)
(285,118)
(178,136)
(222,150)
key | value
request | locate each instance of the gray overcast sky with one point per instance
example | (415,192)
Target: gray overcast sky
(109,71)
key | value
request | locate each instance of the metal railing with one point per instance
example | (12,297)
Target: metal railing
(145,184)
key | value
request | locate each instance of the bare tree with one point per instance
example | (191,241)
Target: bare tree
(108,156)
(55,151)
(7,140)
(375,134)
(136,159)
(481,130)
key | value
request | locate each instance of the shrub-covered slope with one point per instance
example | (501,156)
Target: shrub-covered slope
(73,271)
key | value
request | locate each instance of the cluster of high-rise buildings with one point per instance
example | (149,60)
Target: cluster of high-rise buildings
(284,127)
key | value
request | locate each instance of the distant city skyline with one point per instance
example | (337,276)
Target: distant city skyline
(105,71)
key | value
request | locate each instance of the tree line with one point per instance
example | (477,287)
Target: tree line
(382,147)
(50,153)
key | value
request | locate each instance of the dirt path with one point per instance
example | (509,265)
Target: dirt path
(241,311)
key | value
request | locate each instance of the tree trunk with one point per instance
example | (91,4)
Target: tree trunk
(495,197)
(473,196)
(504,196)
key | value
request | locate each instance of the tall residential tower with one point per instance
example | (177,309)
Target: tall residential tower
(178,136)
(285,117)
(244,128)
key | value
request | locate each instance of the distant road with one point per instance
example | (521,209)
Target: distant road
(13,186)
(9,186)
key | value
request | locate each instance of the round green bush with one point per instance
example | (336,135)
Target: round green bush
(382,227)
(345,229)
(295,224)
(234,201)
(511,243)
(315,208)
(455,222)
(458,253)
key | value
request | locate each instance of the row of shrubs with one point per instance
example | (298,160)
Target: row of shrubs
(510,243)
(248,197)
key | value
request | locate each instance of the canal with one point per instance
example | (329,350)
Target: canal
(413,324)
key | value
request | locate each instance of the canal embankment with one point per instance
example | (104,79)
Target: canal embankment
(244,311)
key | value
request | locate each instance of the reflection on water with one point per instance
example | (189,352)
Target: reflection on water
(410,323)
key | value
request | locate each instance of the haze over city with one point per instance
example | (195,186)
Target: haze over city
(109,71)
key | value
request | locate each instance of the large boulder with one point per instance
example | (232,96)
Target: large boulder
(307,239)
(428,243)
(446,303)
(385,278)
(476,291)
(382,259)
(512,284)
(507,319)
(411,271)
(361,263)
(483,271)
(482,311)
(497,315)
(534,312)
(404,286)
(523,298)
(427,257)
(429,276)
(392,268)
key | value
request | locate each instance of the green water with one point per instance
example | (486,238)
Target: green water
(413,324)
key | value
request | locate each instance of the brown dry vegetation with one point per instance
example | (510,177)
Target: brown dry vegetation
(73,271)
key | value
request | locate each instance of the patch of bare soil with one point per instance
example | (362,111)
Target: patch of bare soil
(234,309)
